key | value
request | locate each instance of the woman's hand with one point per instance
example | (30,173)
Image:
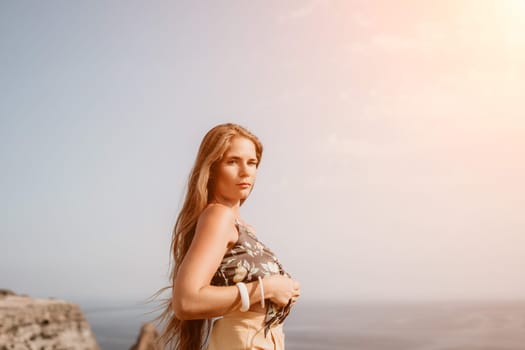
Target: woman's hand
(282,289)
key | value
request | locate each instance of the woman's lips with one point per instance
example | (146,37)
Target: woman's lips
(244,185)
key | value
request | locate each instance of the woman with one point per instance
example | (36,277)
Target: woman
(221,268)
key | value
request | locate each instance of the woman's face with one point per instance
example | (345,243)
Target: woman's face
(235,173)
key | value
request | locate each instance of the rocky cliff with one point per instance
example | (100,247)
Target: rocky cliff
(43,324)
(147,337)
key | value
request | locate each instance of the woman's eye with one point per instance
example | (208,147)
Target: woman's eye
(234,161)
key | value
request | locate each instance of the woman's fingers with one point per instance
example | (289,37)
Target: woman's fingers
(285,289)
(296,292)
(296,285)
(296,288)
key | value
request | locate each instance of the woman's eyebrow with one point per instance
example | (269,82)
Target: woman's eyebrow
(237,158)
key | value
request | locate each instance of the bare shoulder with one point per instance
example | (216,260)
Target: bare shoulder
(217,212)
(217,219)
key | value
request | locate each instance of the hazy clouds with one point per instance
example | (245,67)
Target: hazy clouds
(393,134)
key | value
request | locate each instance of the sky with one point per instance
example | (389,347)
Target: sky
(393,136)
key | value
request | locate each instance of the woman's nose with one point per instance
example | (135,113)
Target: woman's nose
(244,170)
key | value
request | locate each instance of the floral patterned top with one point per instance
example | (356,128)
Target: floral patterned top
(245,262)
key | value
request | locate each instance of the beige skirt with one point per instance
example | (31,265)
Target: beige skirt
(244,331)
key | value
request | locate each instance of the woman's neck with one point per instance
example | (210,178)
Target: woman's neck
(235,206)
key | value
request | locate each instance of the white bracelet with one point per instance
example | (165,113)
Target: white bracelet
(261,287)
(245,298)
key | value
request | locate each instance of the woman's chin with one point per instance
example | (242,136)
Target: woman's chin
(244,196)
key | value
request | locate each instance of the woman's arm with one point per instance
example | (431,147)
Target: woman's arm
(194,297)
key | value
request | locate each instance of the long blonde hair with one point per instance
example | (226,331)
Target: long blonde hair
(189,334)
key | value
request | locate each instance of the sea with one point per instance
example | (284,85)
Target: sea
(452,325)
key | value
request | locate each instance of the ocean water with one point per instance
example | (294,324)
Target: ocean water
(357,326)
